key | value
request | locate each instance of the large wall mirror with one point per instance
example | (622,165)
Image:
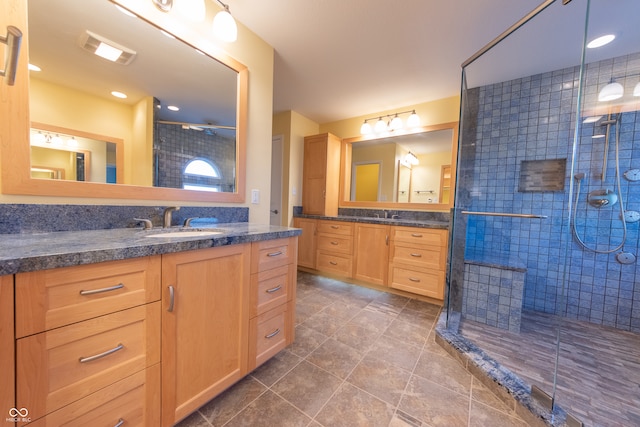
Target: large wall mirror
(182,124)
(410,170)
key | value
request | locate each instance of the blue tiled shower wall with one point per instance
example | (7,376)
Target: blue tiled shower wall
(32,218)
(533,118)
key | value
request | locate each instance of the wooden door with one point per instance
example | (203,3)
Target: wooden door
(314,171)
(205,326)
(306,242)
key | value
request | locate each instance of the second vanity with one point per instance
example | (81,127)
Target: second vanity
(117,327)
(404,255)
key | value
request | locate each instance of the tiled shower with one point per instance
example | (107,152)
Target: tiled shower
(533,149)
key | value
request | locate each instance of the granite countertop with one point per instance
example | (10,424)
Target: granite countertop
(40,251)
(444,225)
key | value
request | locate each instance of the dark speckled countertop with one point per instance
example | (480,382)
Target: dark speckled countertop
(372,220)
(38,251)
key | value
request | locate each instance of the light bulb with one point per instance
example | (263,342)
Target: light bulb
(224,27)
(414,120)
(365,129)
(380,126)
(38,138)
(56,140)
(396,123)
(611,92)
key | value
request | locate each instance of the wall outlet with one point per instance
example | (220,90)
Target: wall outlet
(255,196)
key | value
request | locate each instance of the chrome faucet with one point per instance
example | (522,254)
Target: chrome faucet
(166,223)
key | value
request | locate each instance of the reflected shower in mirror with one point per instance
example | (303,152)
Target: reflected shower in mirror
(180,104)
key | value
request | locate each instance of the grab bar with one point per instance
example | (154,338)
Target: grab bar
(513,215)
(12,40)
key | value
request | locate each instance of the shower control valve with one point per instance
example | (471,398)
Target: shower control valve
(632,175)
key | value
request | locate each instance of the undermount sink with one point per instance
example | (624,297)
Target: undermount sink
(185,233)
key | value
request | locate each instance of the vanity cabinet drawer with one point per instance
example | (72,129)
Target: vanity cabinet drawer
(132,401)
(271,288)
(273,253)
(417,235)
(53,298)
(338,244)
(269,333)
(334,263)
(60,366)
(419,255)
(335,227)
(418,281)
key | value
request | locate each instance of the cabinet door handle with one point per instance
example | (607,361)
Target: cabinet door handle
(386,240)
(275,253)
(272,290)
(101,355)
(119,423)
(333,263)
(413,279)
(13,39)
(101,290)
(172,298)
(335,227)
(273,334)
(334,243)
(416,255)
(416,235)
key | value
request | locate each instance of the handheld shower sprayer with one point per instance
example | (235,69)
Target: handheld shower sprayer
(579,176)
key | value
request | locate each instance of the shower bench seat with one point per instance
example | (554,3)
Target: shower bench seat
(494,289)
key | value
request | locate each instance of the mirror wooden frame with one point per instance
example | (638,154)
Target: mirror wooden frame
(345,187)
(15,156)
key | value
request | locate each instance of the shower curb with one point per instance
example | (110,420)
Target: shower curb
(506,385)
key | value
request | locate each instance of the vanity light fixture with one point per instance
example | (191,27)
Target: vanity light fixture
(393,124)
(411,158)
(195,10)
(163,5)
(224,26)
(611,92)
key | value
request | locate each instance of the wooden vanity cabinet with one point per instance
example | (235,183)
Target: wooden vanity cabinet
(334,247)
(321,174)
(371,253)
(205,325)
(306,241)
(273,289)
(417,260)
(7,344)
(87,336)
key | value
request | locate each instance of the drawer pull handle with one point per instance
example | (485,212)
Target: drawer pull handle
(416,255)
(413,279)
(275,253)
(101,355)
(172,298)
(335,227)
(416,235)
(101,290)
(273,334)
(272,290)
(119,423)
(333,263)
(334,243)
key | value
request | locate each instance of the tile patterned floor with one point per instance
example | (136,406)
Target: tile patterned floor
(361,358)
(598,368)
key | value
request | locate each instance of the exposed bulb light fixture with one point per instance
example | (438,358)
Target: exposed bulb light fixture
(411,158)
(163,5)
(601,41)
(224,26)
(611,92)
(390,123)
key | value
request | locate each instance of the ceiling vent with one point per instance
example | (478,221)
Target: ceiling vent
(106,49)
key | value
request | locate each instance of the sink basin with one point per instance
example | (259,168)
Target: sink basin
(185,233)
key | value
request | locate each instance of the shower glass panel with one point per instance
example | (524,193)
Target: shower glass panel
(545,227)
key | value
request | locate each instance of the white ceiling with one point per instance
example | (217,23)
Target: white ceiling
(336,59)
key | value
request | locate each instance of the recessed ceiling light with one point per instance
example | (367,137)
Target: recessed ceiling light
(34,68)
(601,41)
(118,94)
(173,108)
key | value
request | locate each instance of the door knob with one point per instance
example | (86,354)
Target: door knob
(275,211)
